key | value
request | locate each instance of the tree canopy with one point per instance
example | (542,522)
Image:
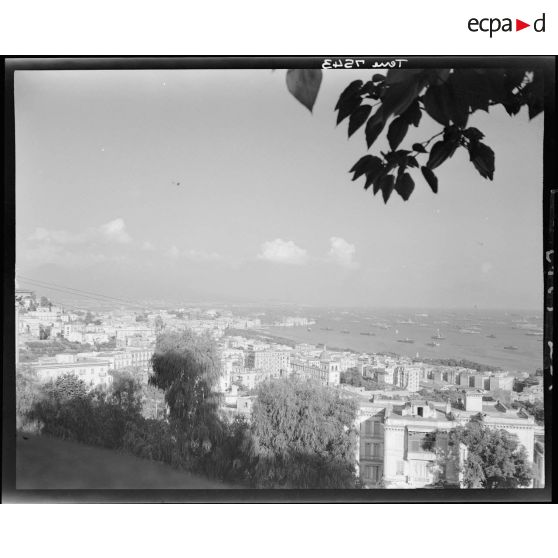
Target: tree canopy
(186,368)
(397,101)
(303,436)
(495,458)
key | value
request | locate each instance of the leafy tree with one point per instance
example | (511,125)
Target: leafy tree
(126,391)
(89,318)
(353,377)
(303,436)
(28,392)
(536,408)
(495,458)
(44,301)
(397,101)
(186,368)
(67,386)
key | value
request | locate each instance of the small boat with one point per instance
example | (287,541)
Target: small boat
(534,333)
(491,336)
(433,344)
(406,340)
(367,333)
(308,329)
(511,348)
(438,335)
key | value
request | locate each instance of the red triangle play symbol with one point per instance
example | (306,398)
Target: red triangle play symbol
(519,25)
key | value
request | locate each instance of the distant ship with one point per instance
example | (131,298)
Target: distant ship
(406,340)
(367,333)
(438,335)
(308,329)
(469,331)
(345,331)
(326,328)
(511,348)
(433,344)
(409,321)
(534,333)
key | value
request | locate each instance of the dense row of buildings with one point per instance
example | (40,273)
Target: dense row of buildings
(392,452)
(392,423)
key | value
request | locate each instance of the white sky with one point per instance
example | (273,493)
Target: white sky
(265,209)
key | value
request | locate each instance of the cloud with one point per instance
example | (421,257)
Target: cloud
(342,252)
(116,231)
(284,252)
(74,248)
(113,231)
(146,245)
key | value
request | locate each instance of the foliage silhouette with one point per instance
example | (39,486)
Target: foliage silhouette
(398,100)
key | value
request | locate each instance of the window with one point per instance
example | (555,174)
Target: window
(368,427)
(377,429)
(375,450)
(372,473)
(367,450)
(415,441)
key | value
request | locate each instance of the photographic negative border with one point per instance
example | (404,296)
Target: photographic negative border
(550,211)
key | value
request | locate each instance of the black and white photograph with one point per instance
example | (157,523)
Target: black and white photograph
(249,276)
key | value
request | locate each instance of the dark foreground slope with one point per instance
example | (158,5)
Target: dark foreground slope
(50,463)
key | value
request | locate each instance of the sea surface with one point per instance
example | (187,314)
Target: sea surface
(479,336)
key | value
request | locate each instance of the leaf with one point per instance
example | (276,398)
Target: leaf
(436,103)
(358,118)
(419,148)
(386,186)
(473,87)
(368,165)
(374,169)
(473,134)
(413,114)
(351,90)
(458,104)
(374,127)
(304,86)
(431,178)
(360,167)
(482,158)
(396,132)
(412,161)
(440,151)
(405,185)
(347,107)
(397,97)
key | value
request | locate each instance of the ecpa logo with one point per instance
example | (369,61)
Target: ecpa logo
(494,24)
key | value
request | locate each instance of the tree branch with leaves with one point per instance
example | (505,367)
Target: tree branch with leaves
(397,101)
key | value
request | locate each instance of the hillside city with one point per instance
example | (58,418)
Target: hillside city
(400,400)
